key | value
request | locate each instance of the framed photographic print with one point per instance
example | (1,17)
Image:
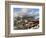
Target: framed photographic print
(24,19)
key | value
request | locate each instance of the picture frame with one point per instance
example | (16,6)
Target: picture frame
(9,15)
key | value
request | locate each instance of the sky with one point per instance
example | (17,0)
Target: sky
(26,11)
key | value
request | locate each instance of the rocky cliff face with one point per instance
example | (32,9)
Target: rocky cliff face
(26,22)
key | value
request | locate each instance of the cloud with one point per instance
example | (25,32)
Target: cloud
(25,11)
